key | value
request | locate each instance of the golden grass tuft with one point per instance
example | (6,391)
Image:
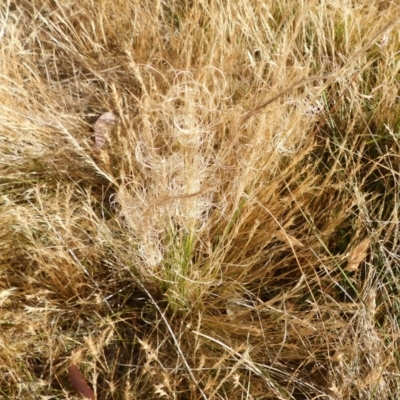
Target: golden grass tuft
(231,230)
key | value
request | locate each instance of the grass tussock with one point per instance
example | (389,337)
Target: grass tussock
(229,230)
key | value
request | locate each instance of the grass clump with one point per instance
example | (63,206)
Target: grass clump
(229,230)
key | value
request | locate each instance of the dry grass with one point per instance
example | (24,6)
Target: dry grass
(233,233)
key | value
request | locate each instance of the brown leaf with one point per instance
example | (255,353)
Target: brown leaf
(357,255)
(102,129)
(79,383)
(290,240)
